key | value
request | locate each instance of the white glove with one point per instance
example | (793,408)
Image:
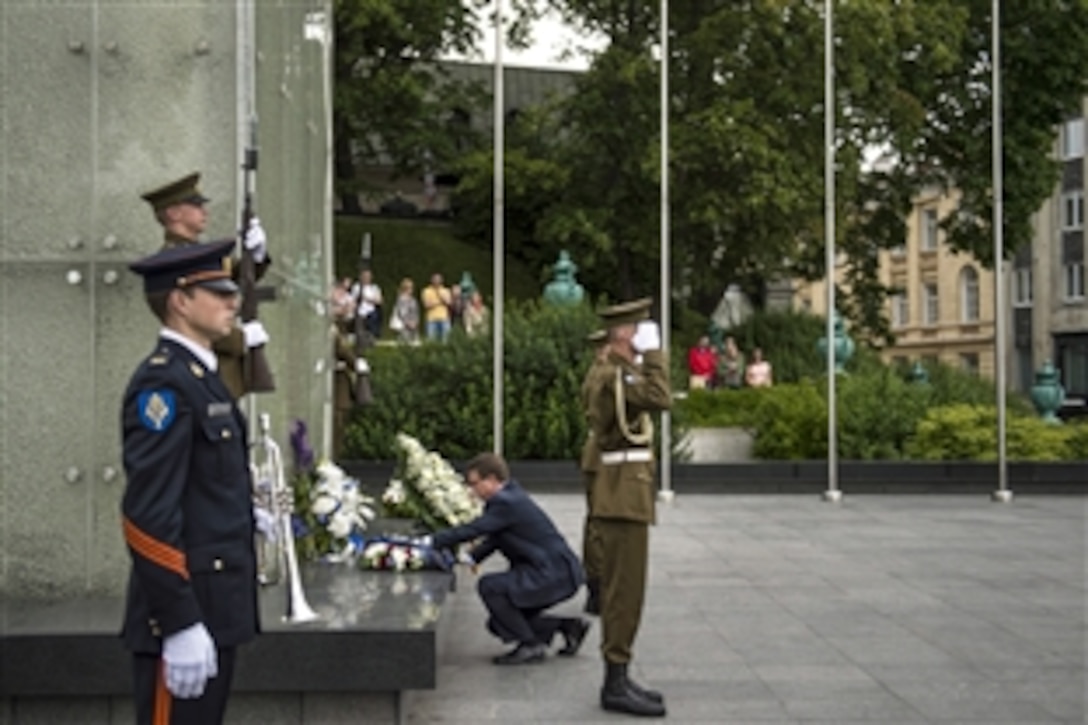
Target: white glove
(256,241)
(265,521)
(362,366)
(424,541)
(255,333)
(190,661)
(464,557)
(647,336)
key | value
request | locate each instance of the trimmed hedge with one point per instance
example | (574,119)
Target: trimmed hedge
(881,416)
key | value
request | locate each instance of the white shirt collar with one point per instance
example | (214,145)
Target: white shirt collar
(202,353)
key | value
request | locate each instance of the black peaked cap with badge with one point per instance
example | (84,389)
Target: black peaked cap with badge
(202,265)
(626,313)
(185,190)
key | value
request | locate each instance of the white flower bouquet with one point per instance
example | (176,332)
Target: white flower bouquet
(426,487)
(338,506)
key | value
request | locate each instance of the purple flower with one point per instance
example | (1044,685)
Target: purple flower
(300,447)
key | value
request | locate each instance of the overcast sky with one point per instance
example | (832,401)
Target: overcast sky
(550,38)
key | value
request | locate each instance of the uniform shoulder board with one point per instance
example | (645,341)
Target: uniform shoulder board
(159,358)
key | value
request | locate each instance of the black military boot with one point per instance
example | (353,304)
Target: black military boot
(651,695)
(574,631)
(616,696)
(593,597)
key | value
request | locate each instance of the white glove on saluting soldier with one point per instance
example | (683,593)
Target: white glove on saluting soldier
(256,241)
(647,336)
(190,661)
(255,333)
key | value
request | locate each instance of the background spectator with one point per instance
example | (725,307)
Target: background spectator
(758,373)
(476,314)
(368,310)
(702,362)
(436,305)
(730,365)
(405,318)
(340,301)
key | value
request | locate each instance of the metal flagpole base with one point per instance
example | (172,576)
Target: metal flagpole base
(832,496)
(1002,495)
(666,496)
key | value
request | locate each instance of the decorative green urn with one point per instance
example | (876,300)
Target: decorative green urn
(1047,394)
(918,373)
(843,345)
(564,290)
(467,284)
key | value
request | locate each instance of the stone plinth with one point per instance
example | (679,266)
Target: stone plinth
(718,445)
(376,638)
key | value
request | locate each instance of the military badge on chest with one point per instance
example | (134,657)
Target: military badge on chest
(157,409)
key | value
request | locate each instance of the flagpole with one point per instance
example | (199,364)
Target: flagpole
(832,494)
(1002,494)
(498,247)
(666,494)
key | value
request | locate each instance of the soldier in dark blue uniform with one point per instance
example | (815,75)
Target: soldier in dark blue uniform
(187,509)
(543,569)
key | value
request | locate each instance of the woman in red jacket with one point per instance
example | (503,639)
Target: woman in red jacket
(702,362)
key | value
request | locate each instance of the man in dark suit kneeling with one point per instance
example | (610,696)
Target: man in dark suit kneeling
(543,569)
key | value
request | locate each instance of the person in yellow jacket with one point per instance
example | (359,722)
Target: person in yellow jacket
(621,394)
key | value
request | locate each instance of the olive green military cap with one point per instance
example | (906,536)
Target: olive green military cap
(626,313)
(183,191)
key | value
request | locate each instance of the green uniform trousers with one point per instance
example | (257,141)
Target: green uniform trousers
(625,549)
(591,537)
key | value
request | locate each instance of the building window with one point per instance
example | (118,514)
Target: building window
(900,310)
(969,362)
(1021,287)
(929,230)
(1073,139)
(969,306)
(1073,210)
(1073,276)
(1072,355)
(931,310)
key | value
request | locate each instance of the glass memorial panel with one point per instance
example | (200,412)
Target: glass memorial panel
(48,54)
(48,423)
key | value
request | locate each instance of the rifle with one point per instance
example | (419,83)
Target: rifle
(256,374)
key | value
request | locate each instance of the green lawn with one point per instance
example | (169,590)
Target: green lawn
(417,248)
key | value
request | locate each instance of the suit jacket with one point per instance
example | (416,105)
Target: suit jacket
(543,568)
(187,508)
(625,491)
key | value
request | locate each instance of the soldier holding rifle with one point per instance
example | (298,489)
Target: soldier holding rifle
(181,209)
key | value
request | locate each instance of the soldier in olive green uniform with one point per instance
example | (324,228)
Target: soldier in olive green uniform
(589,463)
(180,208)
(351,384)
(621,394)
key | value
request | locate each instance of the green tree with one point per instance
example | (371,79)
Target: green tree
(392,103)
(747,147)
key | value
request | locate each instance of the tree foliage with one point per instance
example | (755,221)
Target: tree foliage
(746,114)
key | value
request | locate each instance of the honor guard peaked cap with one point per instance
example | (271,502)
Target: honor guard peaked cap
(626,313)
(597,337)
(182,191)
(205,265)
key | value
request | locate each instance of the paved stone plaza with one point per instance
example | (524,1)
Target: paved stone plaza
(785,609)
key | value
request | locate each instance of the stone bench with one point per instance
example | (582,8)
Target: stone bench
(377,638)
